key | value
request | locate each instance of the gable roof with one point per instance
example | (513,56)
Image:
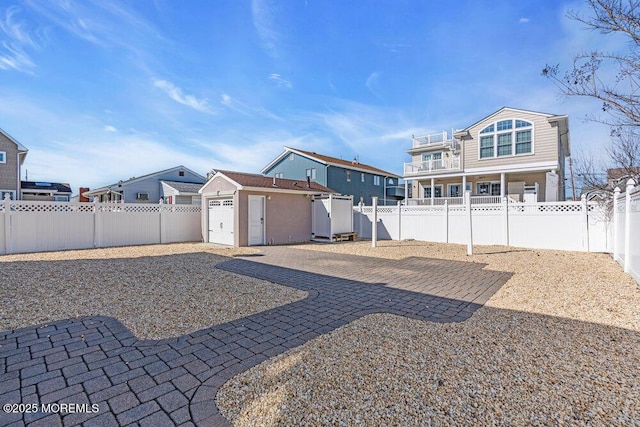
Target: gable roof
(21,147)
(328,160)
(139,178)
(561,120)
(184,187)
(53,187)
(251,181)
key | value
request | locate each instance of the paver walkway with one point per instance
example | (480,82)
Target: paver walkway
(96,360)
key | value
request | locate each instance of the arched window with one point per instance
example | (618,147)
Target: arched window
(510,137)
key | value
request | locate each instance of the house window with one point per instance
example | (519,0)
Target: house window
(279,175)
(142,196)
(509,137)
(376,180)
(5,193)
(292,157)
(488,188)
(311,174)
(60,198)
(3,157)
(455,190)
(361,177)
(181,173)
(348,176)
(390,181)
(437,191)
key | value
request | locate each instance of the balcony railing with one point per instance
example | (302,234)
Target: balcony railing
(475,200)
(433,166)
(441,138)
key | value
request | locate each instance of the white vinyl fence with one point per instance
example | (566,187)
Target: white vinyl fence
(576,226)
(626,229)
(29,226)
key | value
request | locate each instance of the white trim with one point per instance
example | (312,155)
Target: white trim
(424,187)
(526,167)
(490,116)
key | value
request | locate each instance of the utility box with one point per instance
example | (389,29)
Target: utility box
(531,193)
(331,217)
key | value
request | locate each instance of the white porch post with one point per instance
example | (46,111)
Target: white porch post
(374,222)
(406,191)
(467,205)
(616,218)
(627,225)
(464,183)
(433,190)
(503,183)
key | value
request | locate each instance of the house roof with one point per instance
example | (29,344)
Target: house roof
(561,120)
(249,181)
(54,187)
(10,138)
(184,187)
(138,178)
(328,160)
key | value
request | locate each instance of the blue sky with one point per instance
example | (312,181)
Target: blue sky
(100,91)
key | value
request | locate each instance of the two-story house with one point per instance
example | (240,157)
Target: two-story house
(12,155)
(515,153)
(345,177)
(178,185)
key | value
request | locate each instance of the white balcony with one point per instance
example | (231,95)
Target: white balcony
(433,166)
(475,200)
(435,139)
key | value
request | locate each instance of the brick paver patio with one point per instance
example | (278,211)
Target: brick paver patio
(96,360)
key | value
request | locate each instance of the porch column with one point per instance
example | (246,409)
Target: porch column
(503,184)
(406,192)
(433,190)
(464,183)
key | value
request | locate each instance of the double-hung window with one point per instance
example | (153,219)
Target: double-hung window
(510,137)
(311,174)
(376,180)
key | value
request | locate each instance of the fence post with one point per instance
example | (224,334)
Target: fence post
(7,224)
(446,221)
(585,222)
(627,225)
(374,222)
(160,221)
(399,221)
(360,205)
(616,218)
(467,204)
(505,206)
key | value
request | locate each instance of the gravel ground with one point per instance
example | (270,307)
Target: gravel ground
(557,344)
(158,291)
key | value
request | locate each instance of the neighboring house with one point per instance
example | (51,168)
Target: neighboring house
(12,155)
(515,153)
(346,177)
(181,193)
(45,191)
(147,188)
(244,209)
(618,177)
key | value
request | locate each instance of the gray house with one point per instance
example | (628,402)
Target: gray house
(149,188)
(345,177)
(12,155)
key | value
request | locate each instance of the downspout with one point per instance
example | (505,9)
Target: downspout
(18,183)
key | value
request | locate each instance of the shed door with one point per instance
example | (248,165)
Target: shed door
(221,221)
(256,220)
(321,218)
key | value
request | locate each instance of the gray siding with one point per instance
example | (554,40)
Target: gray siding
(297,169)
(9,170)
(337,180)
(153,186)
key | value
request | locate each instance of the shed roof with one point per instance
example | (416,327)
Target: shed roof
(184,187)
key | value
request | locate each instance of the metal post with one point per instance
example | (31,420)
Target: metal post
(467,204)
(374,223)
(627,225)
(616,218)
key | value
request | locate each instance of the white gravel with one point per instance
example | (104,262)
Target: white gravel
(559,344)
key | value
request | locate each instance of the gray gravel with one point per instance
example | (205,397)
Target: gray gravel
(158,291)
(559,344)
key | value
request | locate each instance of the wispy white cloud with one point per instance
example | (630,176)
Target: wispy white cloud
(264,16)
(18,38)
(109,128)
(524,20)
(279,81)
(372,83)
(246,109)
(176,94)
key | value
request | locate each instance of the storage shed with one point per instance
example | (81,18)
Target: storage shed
(332,217)
(243,209)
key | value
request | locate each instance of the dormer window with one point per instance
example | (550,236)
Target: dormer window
(503,138)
